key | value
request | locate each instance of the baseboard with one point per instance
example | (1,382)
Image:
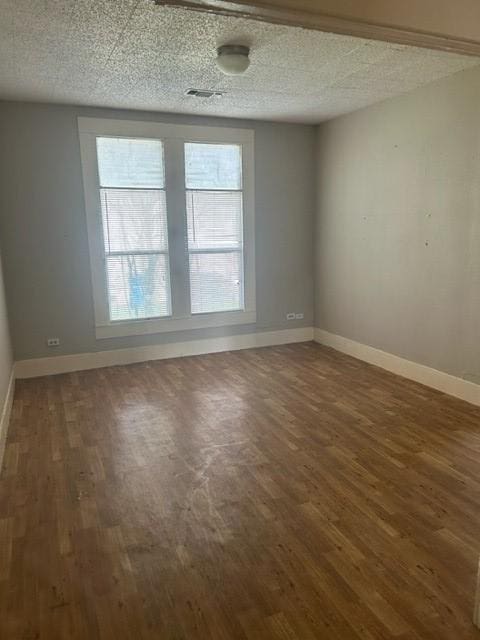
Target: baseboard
(5,415)
(81,361)
(439,380)
(476,604)
(468,391)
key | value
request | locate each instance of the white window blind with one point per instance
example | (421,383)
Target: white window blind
(214,199)
(134,220)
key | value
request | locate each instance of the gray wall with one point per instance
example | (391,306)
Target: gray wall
(5,350)
(398,226)
(44,236)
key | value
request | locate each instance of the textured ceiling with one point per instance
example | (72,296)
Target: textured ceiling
(133,54)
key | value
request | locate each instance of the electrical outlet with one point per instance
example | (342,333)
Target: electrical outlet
(299,316)
(53,342)
(290,316)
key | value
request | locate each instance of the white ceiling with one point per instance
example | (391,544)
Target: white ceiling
(133,54)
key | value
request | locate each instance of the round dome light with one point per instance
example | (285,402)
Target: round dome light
(233,59)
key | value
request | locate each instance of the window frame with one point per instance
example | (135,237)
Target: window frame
(173,137)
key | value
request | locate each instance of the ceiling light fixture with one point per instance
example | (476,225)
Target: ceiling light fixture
(233,59)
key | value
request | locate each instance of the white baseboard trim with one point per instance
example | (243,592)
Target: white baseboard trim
(6,412)
(476,604)
(81,361)
(463,389)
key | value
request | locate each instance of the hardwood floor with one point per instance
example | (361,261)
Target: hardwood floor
(280,493)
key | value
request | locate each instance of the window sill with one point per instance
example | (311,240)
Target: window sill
(163,325)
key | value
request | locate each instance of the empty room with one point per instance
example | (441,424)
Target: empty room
(239,320)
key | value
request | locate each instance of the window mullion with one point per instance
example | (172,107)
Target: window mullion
(177,228)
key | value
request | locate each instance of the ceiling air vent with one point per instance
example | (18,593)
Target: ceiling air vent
(203,93)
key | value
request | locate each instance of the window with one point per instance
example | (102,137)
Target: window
(213,177)
(170,224)
(134,221)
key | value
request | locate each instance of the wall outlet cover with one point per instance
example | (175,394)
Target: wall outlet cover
(290,316)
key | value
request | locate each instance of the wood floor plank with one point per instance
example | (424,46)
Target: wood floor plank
(280,493)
